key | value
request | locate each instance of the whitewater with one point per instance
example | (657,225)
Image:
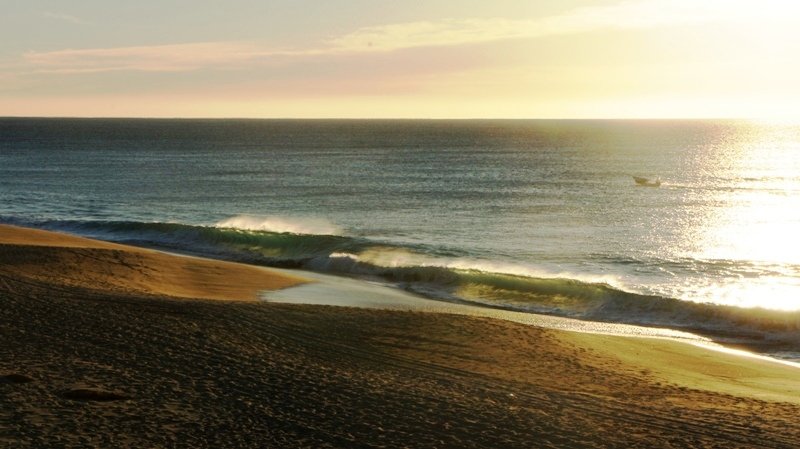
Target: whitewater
(531,216)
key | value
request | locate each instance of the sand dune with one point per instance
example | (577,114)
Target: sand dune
(75,262)
(101,348)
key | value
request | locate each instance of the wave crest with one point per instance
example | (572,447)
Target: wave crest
(308,226)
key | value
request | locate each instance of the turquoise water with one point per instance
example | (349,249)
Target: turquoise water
(530,215)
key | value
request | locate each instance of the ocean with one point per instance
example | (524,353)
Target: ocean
(531,215)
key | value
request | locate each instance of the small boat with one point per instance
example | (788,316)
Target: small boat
(647,182)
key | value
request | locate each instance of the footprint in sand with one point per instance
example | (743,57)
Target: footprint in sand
(94,394)
(15,378)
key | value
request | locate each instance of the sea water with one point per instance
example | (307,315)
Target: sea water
(530,215)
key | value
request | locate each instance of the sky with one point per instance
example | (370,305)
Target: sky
(401,59)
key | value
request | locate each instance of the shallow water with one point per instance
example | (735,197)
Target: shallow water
(345,292)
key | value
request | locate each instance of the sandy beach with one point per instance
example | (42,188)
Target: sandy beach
(105,345)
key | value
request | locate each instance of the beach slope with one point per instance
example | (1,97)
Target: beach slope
(105,345)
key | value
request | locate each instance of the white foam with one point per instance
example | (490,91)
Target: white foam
(397,257)
(294,225)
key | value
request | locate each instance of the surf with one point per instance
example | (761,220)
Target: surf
(441,276)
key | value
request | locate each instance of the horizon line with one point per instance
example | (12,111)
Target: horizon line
(383,118)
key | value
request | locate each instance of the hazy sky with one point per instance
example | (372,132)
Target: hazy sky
(381,58)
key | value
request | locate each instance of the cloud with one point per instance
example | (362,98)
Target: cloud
(625,15)
(154,58)
(423,34)
(65,17)
(398,36)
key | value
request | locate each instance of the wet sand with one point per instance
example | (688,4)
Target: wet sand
(110,346)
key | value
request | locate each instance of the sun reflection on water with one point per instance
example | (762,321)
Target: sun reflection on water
(754,219)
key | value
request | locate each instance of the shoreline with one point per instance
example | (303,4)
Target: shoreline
(331,290)
(104,349)
(769,332)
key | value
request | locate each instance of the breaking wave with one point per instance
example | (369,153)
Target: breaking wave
(280,224)
(316,246)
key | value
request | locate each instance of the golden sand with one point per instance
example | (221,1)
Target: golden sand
(101,348)
(70,261)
